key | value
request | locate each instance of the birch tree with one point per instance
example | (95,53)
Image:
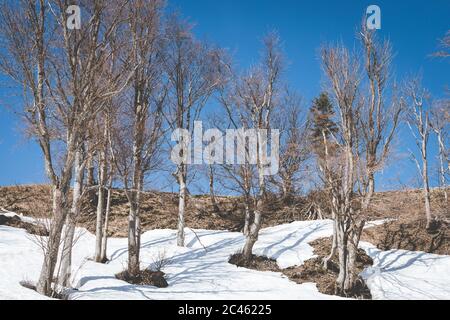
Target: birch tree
(440,119)
(343,71)
(418,119)
(323,135)
(137,131)
(238,178)
(85,84)
(193,72)
(366,127)
(380,115)
(254,98)
(294,144)
(60,70)
(26,34)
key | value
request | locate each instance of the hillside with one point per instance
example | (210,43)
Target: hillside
(160,210)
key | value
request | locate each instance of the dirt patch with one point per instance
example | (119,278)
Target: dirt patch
(410,234)
(145,278)
(313,271)
(16,222)
(255,263)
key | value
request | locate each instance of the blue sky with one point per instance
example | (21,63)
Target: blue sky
(413,26)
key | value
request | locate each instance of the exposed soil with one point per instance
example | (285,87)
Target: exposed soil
(410,234)
(313,271)
(145,278)
(255,263)
(16,222)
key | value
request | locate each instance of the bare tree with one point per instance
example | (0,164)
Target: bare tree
(379,117)
(240,178)
(137,132)
(85,83)
(440,119)
(294,144)
(25,32)
(359,146)
(253,99)
(193,73)
(60,70)
(444,44)
(343,71)
(103,254)
(418,102)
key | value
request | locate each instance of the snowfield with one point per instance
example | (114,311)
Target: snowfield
(202,272)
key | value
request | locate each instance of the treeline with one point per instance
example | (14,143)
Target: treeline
(102,102)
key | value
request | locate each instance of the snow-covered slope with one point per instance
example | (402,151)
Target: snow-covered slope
(400,274)
(198,273)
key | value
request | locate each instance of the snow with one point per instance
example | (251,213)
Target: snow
(196,274)
(20,260)
(199,274)
(400,274)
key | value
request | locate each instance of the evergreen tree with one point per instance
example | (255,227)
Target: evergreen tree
(322,114)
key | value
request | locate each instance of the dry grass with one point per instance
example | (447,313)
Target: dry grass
(145,278)
(255,263)
(16,222)
(312,271)
(159,210)
(408,229)
(410,234)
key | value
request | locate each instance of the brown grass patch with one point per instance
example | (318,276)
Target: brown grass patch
(255,263)
(31,228)
(410,234)
(313,271)
(159,210)
(145,278)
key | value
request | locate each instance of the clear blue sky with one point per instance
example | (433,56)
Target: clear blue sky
(413,26)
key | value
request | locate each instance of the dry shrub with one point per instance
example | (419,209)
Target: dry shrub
(145,278)
(255,263)
(160,261)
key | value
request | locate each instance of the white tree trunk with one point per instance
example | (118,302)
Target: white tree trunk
(442,167)
(99,223)
(334,245)
(66,259)
(133,257)
(181,205)
(104,256)
(252,236)
(426,184)
(247,218)
(44,285)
